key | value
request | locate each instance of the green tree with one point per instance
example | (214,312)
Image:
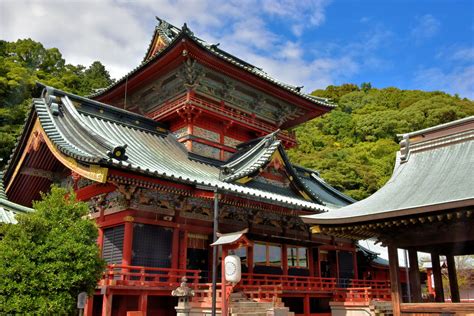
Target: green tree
(24,62)
(354,145)
(49,257)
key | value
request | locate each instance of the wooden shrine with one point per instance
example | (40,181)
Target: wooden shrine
(150,153)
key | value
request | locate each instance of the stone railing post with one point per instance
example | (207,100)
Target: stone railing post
(184,294)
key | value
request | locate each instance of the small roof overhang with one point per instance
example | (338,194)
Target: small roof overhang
(232,239)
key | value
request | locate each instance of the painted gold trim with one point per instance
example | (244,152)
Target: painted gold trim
(244,179)
(92,172)
(31,137)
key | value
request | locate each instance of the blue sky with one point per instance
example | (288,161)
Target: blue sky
(422,44)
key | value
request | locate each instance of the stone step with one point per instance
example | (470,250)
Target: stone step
(249,313)
(248,310)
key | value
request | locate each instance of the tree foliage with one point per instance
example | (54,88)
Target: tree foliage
(354,145)
(49,257)
(22,64)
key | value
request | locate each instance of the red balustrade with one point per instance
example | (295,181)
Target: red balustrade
(147,276)
(289,282)
(362,294)
(173,105)
(263,287)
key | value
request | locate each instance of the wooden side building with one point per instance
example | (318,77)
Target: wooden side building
(426,206)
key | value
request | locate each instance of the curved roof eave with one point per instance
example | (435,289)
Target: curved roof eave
(223,56)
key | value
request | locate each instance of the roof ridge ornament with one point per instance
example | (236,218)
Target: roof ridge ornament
(114,150)
(404,148)
(186,29)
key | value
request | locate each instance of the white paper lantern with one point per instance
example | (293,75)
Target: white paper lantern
(233,271)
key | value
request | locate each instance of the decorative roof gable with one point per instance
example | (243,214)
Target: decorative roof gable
(167,35)
(263,163)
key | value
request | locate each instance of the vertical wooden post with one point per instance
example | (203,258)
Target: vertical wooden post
(183,250)
(354,262)
(306,305)
(284,258)
(107,304)
(429,273)
(414,276)
(175,249)
(250,258)
(143,303)
(310,259)
(100,239)
(394,278)
(319,263)
(89,306)
(438,280)
(337,264)
(127,241)
(453,280)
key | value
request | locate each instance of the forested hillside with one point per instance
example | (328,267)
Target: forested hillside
(354,146)
(24,62)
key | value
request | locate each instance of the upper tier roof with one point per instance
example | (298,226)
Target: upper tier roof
(94,133)
(434,171)
(171,34)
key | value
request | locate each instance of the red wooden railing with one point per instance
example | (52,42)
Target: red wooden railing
(147,276)
(263,287)
(361,294)
(173,105)
(289,282)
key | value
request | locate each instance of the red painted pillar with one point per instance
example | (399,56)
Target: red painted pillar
(319,263)
(107,304)
(183,249)
(127,240)
(310,262)
(143,303)
(250,259)
(100,238)
(356,269)
(429,276)
(89,306)
(224,311)
(284,258)
(306,305)
(175,249)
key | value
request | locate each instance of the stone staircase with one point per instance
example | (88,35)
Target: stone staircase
(381,308)
(241,305)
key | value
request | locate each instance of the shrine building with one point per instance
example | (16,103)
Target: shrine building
(191,132)
(426,206)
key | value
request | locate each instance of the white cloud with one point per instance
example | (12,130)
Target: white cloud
(84,31)
(311,12)
(426,27)
(463,54)
(118,32)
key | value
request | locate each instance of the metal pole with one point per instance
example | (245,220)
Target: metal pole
(214,254)
(405,252)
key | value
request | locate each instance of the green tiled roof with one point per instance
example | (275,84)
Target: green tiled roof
(89,131)
(172,34)
(429,175)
